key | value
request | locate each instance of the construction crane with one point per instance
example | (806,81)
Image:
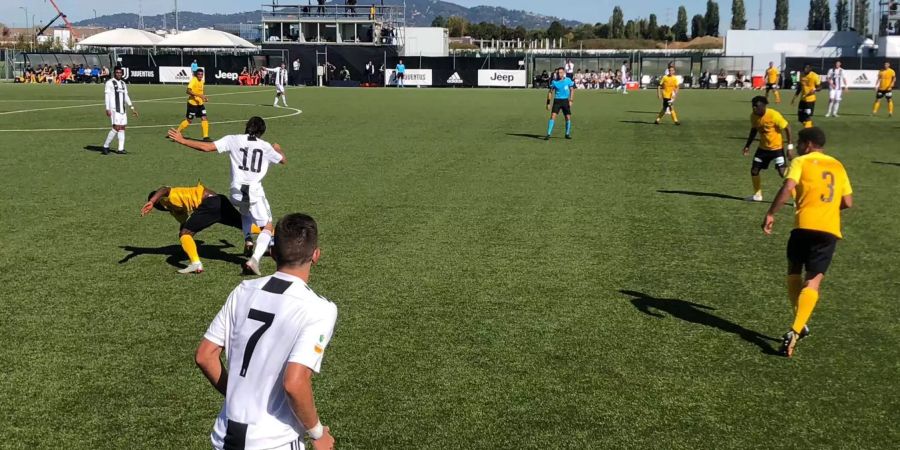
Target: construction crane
(58,16)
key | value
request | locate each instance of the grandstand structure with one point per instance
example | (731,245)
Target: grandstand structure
(304,24)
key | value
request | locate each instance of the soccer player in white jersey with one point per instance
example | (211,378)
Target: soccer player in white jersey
(625,78)
(281,80)
(837,82)
(274,331)
(250,159)
(116,99)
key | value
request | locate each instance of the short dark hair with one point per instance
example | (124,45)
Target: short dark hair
(118,68)
(296,239)
(814,135)
(199,70)
(760,99)
(155,204)
(256,127)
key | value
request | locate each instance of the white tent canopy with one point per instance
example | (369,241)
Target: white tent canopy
(122,37)
(205,38)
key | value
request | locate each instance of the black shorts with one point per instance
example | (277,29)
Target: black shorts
(805,111)
(213,210)
(401,75)
(562,105)
(194,111)
(771,87)
(884,94)
(667,104)
(762,158)
(811,250)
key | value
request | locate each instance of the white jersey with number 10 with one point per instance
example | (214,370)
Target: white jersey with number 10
(250,159)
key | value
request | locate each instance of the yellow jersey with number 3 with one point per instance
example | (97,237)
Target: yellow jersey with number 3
(196,86)
(769,126)
(886,79)
(808,85)
(772,75)
(821,183)
(669,86)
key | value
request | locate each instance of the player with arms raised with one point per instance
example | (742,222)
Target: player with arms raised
(561,96)
(116,99)
(196,104)
(806,91)
(281,79)
(769,125)
(250,159)
(274,331)
(884,89)
(667,91)
(823,191)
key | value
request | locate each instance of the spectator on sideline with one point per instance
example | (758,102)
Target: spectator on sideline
(295,76)
(345,74)
(570,69)
(370,73)
(321,8)
(194,66)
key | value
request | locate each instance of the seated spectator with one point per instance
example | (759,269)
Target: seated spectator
(95,75)
(723,79)
(345,74)
(244,77)
(104,74)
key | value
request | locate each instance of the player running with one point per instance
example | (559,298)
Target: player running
(250,159)
(196,105)
(884,89)
(823,191)
(806,90)
(773,82)
(837,84)
(769,124)
(116,99)
(562,94)
(281,78)
(196,208)
(274,331)
(667,91)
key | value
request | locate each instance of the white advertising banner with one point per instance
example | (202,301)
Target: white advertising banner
(859,79)
(412,77)
(503,78)
(169,74)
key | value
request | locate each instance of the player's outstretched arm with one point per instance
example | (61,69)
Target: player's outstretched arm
(298,387)
(750,140)
(208,359)
(783,195)
(160,193)
(176,136)
(278,150)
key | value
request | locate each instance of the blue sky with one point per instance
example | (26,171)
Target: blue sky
(584,10)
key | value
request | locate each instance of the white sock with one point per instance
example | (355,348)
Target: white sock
(275,103)
(284,99)
(109,138)
(837,106)
(262,244)
(121,140)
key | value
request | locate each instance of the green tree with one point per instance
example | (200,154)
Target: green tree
(712,18)
(825,14)
(642,28)
(665,33)
(738,15)
(583,32)
(681,25)
(652,28)
(617,24)
(698,26)
(782,12)
(630,30)
(602,30)
(520,33)
(861,24)
(842,15)
(457,26)
(439,22)
(556,30)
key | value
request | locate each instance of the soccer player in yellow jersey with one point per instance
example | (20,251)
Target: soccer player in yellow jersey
(769,125)
(887,78)
(773,82)
(667,91)
(196,104)
(823,191)
(806,90)
(196,208)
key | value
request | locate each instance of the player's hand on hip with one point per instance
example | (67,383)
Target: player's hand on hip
(768,224)
(205,99)
(146,209)
(326,442)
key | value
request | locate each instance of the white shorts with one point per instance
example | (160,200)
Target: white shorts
(279,89)
(299,444)
(254,206)
(119,119)
(836,94)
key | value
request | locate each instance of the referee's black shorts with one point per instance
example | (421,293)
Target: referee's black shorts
(562,105)
(213,210)
(811,250)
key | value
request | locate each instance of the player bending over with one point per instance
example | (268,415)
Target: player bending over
(196,105)
(769,125)
(806,91)
(823,191)
(116,99)
(250,159)
(667,91)
(274,331)
(837,85)
(884,89)
(562,96)
(196,209)
(773,83)
(281,78)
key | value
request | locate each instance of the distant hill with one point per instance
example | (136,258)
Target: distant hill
(420,13)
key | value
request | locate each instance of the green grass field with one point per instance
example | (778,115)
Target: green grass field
(494,290)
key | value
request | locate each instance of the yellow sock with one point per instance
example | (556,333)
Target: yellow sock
(661,115)
(190,247)
(805,305)
(794,286)
(757,184)
(674,115)
(777,97)
(808,124)
(876,107)
(183,125)
(205,126)
(890,107)
(254,229)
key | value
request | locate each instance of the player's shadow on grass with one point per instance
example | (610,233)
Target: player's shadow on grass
(175,255)
(702,194)
(643,112)
(699,314)
(638,122)
(884,163)
(93,148)
(527,135)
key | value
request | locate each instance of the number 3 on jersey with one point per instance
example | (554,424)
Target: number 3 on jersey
(260,316)
(828,177)
(256,160)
